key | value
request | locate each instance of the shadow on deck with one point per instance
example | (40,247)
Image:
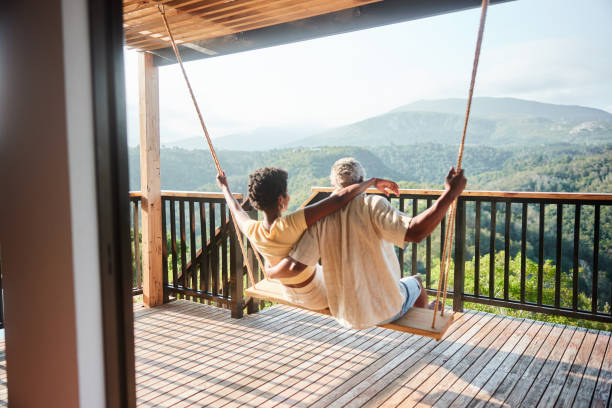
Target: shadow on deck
(193,354)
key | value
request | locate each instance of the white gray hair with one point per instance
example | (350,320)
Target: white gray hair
(345,172)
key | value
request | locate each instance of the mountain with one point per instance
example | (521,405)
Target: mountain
(264,138)
(485,107)
(494,121)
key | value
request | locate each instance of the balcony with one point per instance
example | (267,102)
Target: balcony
(548,256)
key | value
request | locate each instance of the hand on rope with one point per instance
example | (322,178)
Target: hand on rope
(455,180)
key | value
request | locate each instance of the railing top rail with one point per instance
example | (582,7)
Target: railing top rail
(188,194)
(496,194)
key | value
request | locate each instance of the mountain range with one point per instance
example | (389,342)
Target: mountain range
(493,121)
(259,139)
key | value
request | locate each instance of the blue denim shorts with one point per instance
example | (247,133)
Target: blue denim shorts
(411,291)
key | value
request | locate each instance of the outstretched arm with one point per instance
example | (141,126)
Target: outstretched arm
(238,213)
(340,198)
(426,222)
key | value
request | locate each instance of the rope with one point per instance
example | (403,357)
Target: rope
(448,239)
(213,153)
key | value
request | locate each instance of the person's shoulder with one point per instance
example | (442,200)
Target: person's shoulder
(374,201)
(296,219)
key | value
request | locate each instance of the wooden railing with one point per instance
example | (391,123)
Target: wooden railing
(136,241)
(200,253)
(547,254)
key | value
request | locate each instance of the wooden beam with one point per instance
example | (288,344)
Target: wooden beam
(150,183)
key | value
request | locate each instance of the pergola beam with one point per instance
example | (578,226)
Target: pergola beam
(352,19)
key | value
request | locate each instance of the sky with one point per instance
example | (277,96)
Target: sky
(555,51)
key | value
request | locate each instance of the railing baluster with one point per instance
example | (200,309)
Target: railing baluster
(523,250)
(224,274)
(559,258)
(204,254)
(192,242)
(541,253)
(575,257)
(183,244)
(442,234)
(164,252)
(400,251)
(459,272)
(477,250)
(507,250)
(594,291)
(428,255)
(492,249)
(236,276)
(173,239)
(415,208)
(214,251)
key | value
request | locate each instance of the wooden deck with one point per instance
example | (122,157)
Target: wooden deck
(189,354)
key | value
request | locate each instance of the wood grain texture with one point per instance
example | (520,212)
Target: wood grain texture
(195,20)
(415,321)
(150,182)
(191,354)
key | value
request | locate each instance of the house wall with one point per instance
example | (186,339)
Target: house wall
(48,235)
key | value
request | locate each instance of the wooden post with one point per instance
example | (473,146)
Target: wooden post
(150,184)
(236,283)
(253,306)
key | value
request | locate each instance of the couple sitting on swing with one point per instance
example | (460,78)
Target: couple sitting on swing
(353,234)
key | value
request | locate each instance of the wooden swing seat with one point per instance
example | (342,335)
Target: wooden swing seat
(416,321)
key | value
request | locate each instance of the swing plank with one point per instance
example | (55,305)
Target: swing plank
(416,321)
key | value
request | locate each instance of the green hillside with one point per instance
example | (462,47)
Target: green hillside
(562,167)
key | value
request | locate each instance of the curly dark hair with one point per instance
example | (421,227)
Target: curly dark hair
(265,186)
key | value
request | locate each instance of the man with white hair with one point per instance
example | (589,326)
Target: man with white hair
(356,247)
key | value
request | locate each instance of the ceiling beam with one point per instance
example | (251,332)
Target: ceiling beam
(354,19)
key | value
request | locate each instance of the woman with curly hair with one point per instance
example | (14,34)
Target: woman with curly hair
(276,234)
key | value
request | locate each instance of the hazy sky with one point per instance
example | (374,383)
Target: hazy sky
(556,51)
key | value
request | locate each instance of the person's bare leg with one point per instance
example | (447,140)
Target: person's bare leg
(423,298)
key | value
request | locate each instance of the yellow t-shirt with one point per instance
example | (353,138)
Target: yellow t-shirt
(275,244)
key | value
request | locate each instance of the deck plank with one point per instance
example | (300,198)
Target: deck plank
(483,396)
(559,377)
(166,353)
(574,377)
(490,361)
(390,377)
(400,387)
(540,383)
(447,370)
(603,390)
(591,374)
(520,368)
(257,346)
(173,357)
(190,354)
(254,378)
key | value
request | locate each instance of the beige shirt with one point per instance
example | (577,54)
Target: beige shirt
(360,265)
(276,243)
